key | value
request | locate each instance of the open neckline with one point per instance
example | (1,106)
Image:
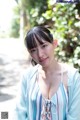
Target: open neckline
(61,83)
(50,99)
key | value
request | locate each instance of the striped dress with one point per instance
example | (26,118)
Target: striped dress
(47,109)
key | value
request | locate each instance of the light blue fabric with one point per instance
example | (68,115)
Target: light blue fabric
(24,108)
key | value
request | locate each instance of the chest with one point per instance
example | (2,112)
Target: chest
(50,85)
(37,103)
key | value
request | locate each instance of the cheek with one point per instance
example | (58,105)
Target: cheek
(34,56)
(49,50)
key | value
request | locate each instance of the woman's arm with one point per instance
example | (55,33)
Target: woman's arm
(74,99)
(21,104)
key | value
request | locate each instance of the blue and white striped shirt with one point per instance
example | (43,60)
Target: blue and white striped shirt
(64,106)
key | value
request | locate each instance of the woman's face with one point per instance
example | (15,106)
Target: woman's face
(43,53)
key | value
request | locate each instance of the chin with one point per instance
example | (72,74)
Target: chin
(44,65)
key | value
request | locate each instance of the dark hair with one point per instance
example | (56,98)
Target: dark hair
(38,33)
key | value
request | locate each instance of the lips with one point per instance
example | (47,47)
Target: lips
(42,60)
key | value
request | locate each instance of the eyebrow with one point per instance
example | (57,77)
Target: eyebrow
(45,42)
(33,48)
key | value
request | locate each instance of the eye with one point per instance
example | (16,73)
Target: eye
(44,45)
(33,50)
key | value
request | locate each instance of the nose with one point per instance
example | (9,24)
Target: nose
(40,52)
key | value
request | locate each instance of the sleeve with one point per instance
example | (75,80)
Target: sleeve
(74,99)
(20,112)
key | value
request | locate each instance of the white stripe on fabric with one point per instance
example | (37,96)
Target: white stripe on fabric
(66,98)
(30,94)
(38,105)
(34,92)
(61,103)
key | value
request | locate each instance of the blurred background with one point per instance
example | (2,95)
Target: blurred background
(16,18)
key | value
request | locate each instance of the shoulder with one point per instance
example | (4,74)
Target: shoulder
(72,73)
(73,79)
(28,76)
(30,72)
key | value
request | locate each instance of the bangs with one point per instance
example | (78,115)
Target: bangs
(31,41)
(42,36)
(37,35)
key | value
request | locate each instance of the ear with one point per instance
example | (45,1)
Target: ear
(55,42)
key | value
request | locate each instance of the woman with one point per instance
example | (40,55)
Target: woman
(50,90)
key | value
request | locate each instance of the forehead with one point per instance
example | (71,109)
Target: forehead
(35,40)
(38,43)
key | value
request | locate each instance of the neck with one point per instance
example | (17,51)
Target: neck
(53,68)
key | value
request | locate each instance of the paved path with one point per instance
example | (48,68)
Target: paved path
(13,61)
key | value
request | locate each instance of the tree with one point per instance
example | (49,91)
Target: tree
(24,23)
(62,19)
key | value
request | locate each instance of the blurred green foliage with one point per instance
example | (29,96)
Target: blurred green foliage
(63,19)
(15,26)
